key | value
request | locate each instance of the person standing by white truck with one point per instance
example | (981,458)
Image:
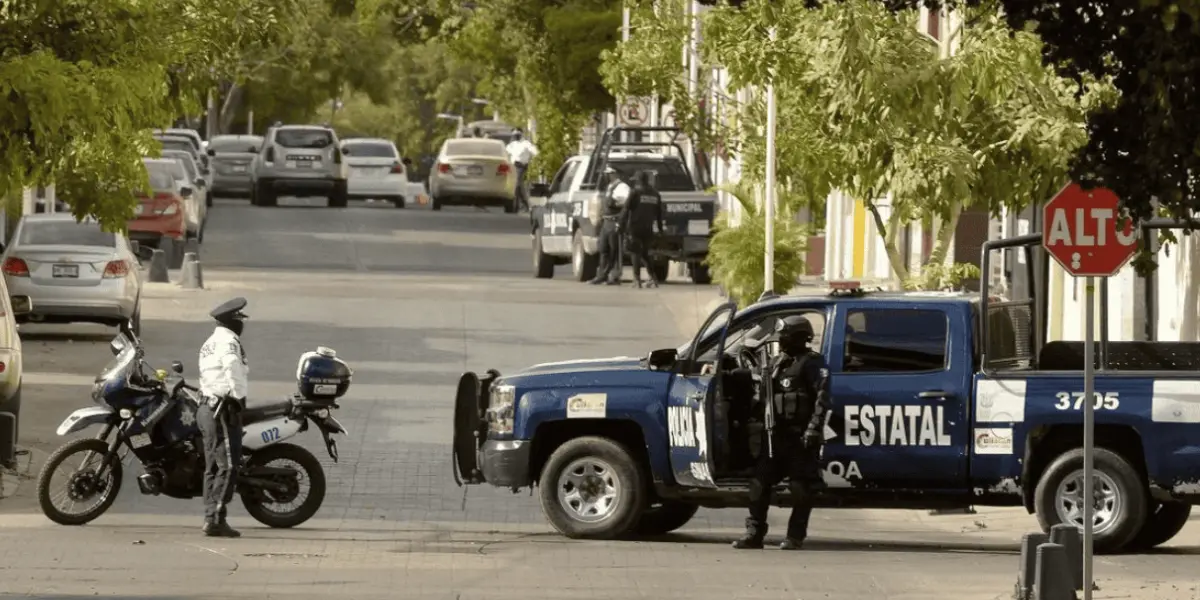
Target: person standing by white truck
(520,152)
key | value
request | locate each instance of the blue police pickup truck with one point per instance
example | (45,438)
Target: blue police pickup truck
(927,415)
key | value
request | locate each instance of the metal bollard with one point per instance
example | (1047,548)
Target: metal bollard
(1027,571)
(8,440)
(158,266)
(1052,580)
(1067,536)
(191,278)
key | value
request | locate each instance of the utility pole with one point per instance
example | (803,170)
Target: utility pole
(769,196)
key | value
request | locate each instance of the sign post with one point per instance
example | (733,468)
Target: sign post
(1082,232)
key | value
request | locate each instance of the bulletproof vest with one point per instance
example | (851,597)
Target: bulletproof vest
(793,400)
(612,205)
(645,214)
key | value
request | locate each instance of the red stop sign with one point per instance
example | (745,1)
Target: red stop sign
(1080,229)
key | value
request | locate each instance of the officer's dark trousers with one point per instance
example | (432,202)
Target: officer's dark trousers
(222,456)
(801,466)
(521,193)
(610,252)
(639,250)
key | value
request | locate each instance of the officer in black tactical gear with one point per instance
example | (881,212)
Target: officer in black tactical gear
(616,193)
(794,394)
(640,220)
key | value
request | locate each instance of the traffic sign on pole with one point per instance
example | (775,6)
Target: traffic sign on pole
(1082,231)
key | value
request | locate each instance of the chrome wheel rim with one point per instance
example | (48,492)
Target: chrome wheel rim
(589,490)
(1107,501)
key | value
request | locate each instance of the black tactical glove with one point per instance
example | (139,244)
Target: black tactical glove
(812,438)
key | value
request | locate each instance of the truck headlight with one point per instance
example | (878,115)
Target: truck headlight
(500,409)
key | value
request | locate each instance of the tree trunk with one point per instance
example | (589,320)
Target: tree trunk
(945,236)
(889,232)
(230,107)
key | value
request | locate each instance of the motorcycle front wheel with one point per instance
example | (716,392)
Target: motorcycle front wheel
(84,482)
(295,505)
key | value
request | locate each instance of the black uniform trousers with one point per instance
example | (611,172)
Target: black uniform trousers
(222,456)
(610,251)
(800,465)
(521,193)
(639,249)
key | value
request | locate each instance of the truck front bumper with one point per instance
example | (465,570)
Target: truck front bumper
(505,463)
(682,248)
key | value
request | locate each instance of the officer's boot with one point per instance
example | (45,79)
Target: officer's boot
(753,539)
(791,544)
(221,529)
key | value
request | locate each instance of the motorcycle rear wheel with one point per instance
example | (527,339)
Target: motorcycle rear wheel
(113,479)
(252,499)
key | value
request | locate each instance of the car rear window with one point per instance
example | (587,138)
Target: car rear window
(189,165)
(371,150)
(163,175)
(474,147)
(304,138)
(669,175)
(70,233)
(243,145)
(176,144)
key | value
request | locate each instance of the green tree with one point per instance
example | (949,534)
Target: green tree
(867,106)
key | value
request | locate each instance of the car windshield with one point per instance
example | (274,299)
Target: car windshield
(371,150)
(474,147)
(304,138)
(161,178)
(669,175)
(187,136)
(176,144)
(189,166)
(65,233)
(235,145)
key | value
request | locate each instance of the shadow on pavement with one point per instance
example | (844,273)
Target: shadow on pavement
(860,545)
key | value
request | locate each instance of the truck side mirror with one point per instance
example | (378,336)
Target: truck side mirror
(211,152)
(406,161)
(662,360)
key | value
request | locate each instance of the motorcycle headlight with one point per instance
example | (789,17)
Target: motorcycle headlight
(500,408)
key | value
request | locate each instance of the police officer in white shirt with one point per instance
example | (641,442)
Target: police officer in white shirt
(224,378)
(520,152)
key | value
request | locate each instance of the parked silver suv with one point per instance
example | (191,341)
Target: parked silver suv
(299,160)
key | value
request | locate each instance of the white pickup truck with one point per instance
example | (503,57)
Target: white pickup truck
(566,224)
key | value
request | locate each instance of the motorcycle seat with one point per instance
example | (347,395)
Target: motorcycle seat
(269,410)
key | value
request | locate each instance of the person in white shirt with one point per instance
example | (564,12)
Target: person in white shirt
(520,152)
(224,383)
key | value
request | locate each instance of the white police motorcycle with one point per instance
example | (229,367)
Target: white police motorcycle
(154,416)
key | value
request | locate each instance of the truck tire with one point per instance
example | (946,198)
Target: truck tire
(699,273)
(543,264)
(583,265)
(1122,511)
(1163,523)
(592,488)
(666,517)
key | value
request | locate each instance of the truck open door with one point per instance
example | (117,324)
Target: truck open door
(690,402)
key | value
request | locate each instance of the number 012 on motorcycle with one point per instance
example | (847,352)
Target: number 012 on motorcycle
(155,418)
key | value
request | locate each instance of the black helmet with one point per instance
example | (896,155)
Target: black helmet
(794,333)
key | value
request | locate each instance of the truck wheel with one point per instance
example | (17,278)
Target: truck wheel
(1120,497)
(543,264)
(659,268)
(1162,524)
(592,488)
(699,274)
(583,265)
(666,517)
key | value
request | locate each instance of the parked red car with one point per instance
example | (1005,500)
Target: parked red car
(161,220)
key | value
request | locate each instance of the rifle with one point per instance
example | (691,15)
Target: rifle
(768,388)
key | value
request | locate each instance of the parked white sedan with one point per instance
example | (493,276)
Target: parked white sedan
(376,170)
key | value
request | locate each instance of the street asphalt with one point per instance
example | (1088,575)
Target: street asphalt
(411,298)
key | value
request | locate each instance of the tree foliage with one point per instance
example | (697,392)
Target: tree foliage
(867,106)
(736,252)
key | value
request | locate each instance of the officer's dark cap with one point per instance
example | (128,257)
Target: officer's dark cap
(230,310)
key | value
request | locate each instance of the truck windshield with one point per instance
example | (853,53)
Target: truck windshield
(670,174)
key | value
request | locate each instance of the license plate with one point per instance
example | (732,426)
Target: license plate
(140,440)
(697,227)
(324,388)
(238,169)
(65,270)
(291,164)
(474,170)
